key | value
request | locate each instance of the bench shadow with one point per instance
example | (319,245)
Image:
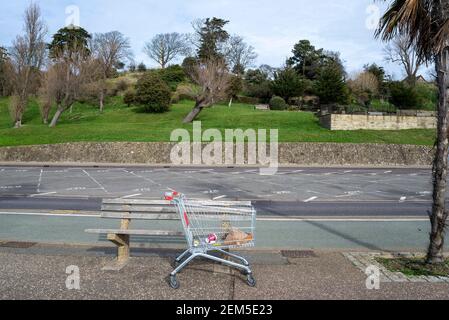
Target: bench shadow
(347,237)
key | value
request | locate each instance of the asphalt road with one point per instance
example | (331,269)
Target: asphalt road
(375,209)
(289,184)
(264,208)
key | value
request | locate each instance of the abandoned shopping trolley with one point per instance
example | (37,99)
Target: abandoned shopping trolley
(214,226)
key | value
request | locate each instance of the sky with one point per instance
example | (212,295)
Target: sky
(271,27)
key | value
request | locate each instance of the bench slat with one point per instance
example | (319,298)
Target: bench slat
(138,216)
(136,232)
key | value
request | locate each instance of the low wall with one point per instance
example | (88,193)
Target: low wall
(377,122)
(320,154)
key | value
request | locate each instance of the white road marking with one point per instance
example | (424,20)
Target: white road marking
(39,181)
(310,199)
(94,180)
(342,220)
(347,171)
(349,194)
(282,192)
(218,198)
(210,192)
(48,214)
(132,195)
(388,171)
(268,219)
(144,178)
(42,194)
(290,172)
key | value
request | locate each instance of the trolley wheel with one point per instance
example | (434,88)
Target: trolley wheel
(174,283)
(251,281)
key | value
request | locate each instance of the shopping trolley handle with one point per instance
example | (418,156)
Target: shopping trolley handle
(170,196)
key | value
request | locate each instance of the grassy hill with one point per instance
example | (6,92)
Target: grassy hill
(120,123)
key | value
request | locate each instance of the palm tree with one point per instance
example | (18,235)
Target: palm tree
(425,23)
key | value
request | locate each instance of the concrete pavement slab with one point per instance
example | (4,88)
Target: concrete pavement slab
(40,274)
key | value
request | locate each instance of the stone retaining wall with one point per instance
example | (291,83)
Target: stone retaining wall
(322,154)
(377,122)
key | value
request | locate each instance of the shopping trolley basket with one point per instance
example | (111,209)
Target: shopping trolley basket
(214,226)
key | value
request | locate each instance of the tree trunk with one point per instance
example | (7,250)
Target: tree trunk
(193,114)
(439,214)
(18,124)
(56,117)
(101,100)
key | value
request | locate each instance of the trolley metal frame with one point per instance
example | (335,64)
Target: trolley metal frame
(194,229)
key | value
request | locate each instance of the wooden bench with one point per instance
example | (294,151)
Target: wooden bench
(127,210)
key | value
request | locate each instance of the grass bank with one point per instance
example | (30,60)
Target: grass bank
(118,123)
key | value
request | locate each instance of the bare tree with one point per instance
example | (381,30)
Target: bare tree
(164,48)
(213,78)
(27,57)
(239,55)
(5,72)
(68,76)
(401,51)
(110,49)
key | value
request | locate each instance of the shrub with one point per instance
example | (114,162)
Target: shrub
(403,96)
(122,85)
(175,98)
(129,97)
(278,103)
(248,100)
(262,91)
(379,105)
(186,92)
(427,96)
(153,93)
(172,75)
(112,92)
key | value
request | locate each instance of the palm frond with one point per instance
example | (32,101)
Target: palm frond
(412,19)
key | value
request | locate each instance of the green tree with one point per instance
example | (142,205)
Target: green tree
(403,95)
(288,84)
(257,84)
(189,65)
(330,86)
(306,59)
(235,87)
(141,67)
(69,40)
(211,35)
(424,24)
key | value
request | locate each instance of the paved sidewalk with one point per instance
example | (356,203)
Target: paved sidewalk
(38,272)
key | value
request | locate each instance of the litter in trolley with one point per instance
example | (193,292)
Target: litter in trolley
(214,226)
